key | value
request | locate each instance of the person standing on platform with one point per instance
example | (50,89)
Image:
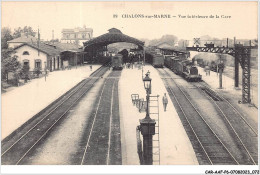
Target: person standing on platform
(165,101)
(207,70)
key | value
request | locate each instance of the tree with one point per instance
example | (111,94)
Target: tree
(27,30)
(9,63)
(182,44)
(169,39)
(5,36)
(37,71)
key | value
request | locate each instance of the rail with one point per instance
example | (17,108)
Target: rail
(233,129)
(60,102)
(200,142)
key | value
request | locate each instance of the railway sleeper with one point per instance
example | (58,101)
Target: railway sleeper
(222,161)
(212,94)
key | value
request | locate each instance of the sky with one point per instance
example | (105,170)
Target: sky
(55,16)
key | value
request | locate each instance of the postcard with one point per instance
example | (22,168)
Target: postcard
(129,83)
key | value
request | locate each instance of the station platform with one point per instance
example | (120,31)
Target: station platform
(175,147)
(22,103)
(227,84)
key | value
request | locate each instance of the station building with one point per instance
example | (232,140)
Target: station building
(53,56)
(77,35)
(38,56)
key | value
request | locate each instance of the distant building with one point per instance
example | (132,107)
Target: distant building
(77,35)
(21,40)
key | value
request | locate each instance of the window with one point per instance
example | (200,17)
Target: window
(25,53)
(25,62)
(38,64)
(83,35)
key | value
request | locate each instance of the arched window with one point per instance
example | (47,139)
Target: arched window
(26,53)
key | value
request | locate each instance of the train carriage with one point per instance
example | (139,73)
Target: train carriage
(117,62)
(177,66)
(169,61)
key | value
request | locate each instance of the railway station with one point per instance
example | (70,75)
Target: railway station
(155,106)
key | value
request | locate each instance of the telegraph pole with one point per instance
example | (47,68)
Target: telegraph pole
(227,42)
(220,69)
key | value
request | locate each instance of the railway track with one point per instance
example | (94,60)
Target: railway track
(207,145)
(242,130)
(17,145)
(103,144)
(206,89)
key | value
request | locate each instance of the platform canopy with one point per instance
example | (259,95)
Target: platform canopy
(113,36)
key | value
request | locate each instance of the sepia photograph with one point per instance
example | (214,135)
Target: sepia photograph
(130,83)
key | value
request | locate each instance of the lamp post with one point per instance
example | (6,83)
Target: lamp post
(147,126)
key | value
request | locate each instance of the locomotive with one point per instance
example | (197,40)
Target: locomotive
(117,62)
(182,67)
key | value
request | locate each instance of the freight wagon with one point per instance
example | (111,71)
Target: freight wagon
(158,61)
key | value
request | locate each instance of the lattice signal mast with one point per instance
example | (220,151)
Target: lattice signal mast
(242,56)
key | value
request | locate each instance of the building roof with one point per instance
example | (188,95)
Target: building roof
(113,36)
(65,47)
(49,50)
(78,29)
(23,39)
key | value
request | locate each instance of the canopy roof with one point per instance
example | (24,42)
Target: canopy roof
(113,36)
